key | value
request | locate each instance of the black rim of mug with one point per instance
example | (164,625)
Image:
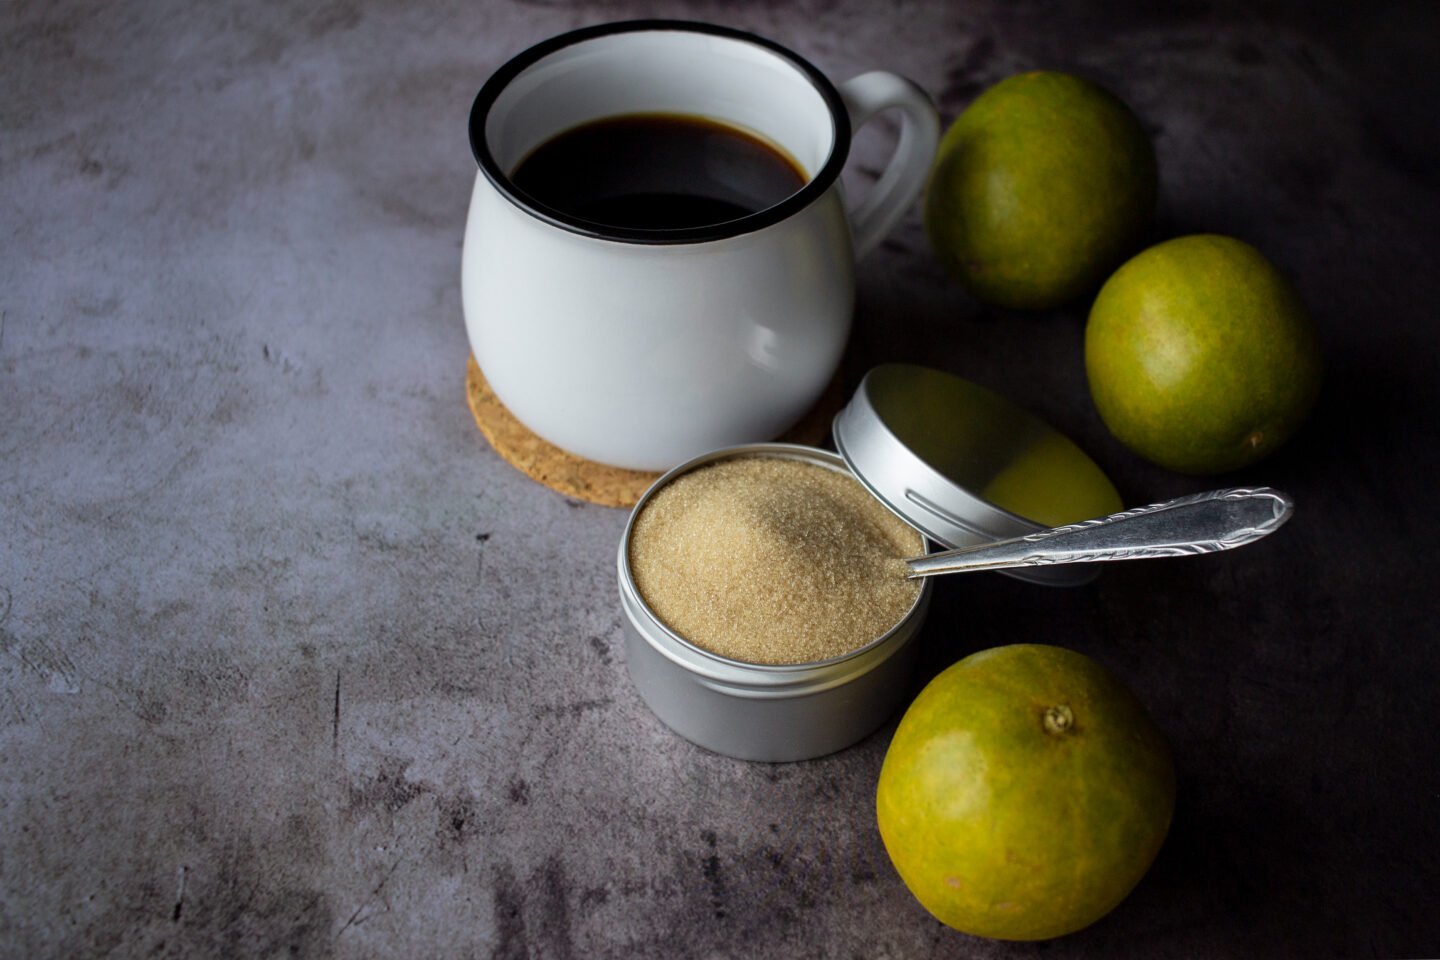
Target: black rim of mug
(817,185)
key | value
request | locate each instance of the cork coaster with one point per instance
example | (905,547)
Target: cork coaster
(584,479)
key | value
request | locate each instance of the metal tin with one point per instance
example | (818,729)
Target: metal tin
(960,462)
(961,465)
(761,711)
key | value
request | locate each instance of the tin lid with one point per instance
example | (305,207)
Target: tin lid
(967,466)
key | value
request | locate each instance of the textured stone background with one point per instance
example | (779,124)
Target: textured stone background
(292,663)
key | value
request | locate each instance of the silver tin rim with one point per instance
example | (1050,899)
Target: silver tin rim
(740,678)
(927,499)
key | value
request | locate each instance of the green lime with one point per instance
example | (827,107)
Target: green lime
(1025,793)
(1039,188)
(1201,356)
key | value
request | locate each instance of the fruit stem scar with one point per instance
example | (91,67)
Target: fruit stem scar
(1058,719)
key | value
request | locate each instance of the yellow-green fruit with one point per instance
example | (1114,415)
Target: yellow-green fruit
(1042,186)
(1025,793)
(1201,356)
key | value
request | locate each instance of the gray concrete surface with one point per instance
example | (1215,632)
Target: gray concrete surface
(292,664)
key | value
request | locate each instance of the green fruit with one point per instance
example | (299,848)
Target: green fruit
(1025,793)
(1201,356)
(1039,188)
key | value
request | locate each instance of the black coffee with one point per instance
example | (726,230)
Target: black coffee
(657,172)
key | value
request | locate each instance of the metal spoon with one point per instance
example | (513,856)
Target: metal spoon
(1201,523)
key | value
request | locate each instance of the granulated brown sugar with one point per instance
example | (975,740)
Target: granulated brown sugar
(773,560)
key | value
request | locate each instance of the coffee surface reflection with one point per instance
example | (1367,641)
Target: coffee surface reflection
(657,172)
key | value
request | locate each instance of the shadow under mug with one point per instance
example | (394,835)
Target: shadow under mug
(643,348)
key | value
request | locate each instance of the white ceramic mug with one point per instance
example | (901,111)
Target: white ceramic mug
(643,348)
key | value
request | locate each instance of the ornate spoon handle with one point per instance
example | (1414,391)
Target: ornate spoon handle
(1202,523)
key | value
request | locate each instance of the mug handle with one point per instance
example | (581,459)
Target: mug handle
(904,177)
